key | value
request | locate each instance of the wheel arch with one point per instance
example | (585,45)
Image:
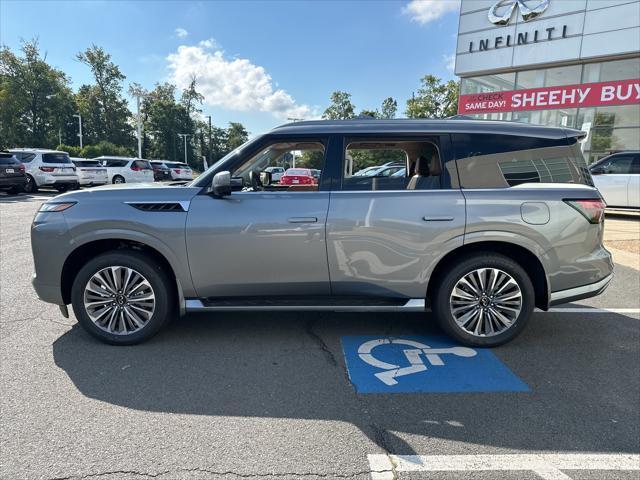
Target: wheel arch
(520,254)
(84,252)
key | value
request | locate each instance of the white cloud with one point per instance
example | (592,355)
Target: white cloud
(181,32)
(425,11)
(232,83)
(450,61)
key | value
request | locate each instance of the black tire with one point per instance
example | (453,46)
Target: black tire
(118,179)
(62,188)
(30,186)
(447,282)
(15,190)
(160,281)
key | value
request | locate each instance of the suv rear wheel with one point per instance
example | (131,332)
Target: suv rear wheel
(485,300)
(122,297)
(118,179)
(30,185)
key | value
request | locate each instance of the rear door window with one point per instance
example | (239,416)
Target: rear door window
(500,161)
(371,164)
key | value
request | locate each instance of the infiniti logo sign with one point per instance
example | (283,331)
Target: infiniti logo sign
(502,11)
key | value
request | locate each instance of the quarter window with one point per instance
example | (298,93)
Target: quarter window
(509,160)
(618,165)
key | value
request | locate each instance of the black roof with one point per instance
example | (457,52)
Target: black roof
(411,126)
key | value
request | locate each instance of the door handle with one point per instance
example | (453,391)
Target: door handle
(437,219)
(303,220)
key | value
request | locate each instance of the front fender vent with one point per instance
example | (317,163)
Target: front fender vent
(160,206)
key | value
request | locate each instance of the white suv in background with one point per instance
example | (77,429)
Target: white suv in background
(47,168)
(179,170)
(90,172)
(126,170)
(618,179)
(276,173)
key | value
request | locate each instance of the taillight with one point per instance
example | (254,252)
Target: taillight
(177,170)
(47,169)
(591,209)
(135,169)
(22,170)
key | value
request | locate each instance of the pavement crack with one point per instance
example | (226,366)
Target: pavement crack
(317,339)
(224,473)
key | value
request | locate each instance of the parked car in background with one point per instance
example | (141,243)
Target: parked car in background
(90,172)
(179,170)
(47,168)
(161,173)
(298,176)
(617,177)
(498,218)
(12,173)
(276,173)
(126,170)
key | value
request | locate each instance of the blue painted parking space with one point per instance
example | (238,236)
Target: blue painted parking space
(379,364)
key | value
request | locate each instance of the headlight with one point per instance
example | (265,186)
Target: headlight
(56,206)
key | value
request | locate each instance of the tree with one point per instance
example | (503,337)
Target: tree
(35,99)
(389,108)
(434,100)
(191,97)
(370,113)
(236,135)
(103,108)
(341,107)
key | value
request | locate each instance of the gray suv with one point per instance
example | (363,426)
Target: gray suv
(489,220)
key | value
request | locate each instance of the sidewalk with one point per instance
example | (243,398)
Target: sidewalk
(622,238)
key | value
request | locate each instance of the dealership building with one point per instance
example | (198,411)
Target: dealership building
(573,63)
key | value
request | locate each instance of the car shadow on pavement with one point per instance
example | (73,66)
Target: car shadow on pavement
(26,197)
(582,374)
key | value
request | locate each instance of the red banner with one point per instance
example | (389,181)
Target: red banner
(623,92)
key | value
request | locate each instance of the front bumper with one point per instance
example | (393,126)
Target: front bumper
(579,293)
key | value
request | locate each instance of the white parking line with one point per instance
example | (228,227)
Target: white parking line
(591,310)
(547,466)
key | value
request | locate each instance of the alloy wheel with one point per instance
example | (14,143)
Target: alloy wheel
(119,300)
(486,302)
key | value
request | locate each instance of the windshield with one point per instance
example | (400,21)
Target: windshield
(86,163)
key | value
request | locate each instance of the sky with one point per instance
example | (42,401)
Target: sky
(256,62)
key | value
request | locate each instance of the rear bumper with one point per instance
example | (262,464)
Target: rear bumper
(579,293)
(13,182)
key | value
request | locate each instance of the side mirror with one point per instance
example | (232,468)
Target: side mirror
(265,178)
(221,184)
(597,171)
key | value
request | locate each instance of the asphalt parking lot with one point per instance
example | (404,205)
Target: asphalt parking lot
(244,395)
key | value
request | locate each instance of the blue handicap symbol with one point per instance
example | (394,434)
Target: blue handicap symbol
(379,364)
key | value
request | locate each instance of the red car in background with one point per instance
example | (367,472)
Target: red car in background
(298,176)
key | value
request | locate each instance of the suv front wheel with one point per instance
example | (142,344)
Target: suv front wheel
(485,300)
(122,297)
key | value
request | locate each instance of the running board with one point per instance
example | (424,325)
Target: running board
(197,305)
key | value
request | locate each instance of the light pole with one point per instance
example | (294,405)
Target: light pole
(137,91)
(80,128)
(185,135)
(210,148)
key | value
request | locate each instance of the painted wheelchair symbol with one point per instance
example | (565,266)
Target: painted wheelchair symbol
(414,357)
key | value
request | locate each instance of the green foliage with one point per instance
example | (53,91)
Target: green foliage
(389,108)
(341,107)
(72,150)
(105,148)
(236,135)
(35,98)
(105,115)
(311,159)
(434,99)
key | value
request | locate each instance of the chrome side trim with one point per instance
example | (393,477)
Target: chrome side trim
(412,305)
(594,288)
(185,204)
